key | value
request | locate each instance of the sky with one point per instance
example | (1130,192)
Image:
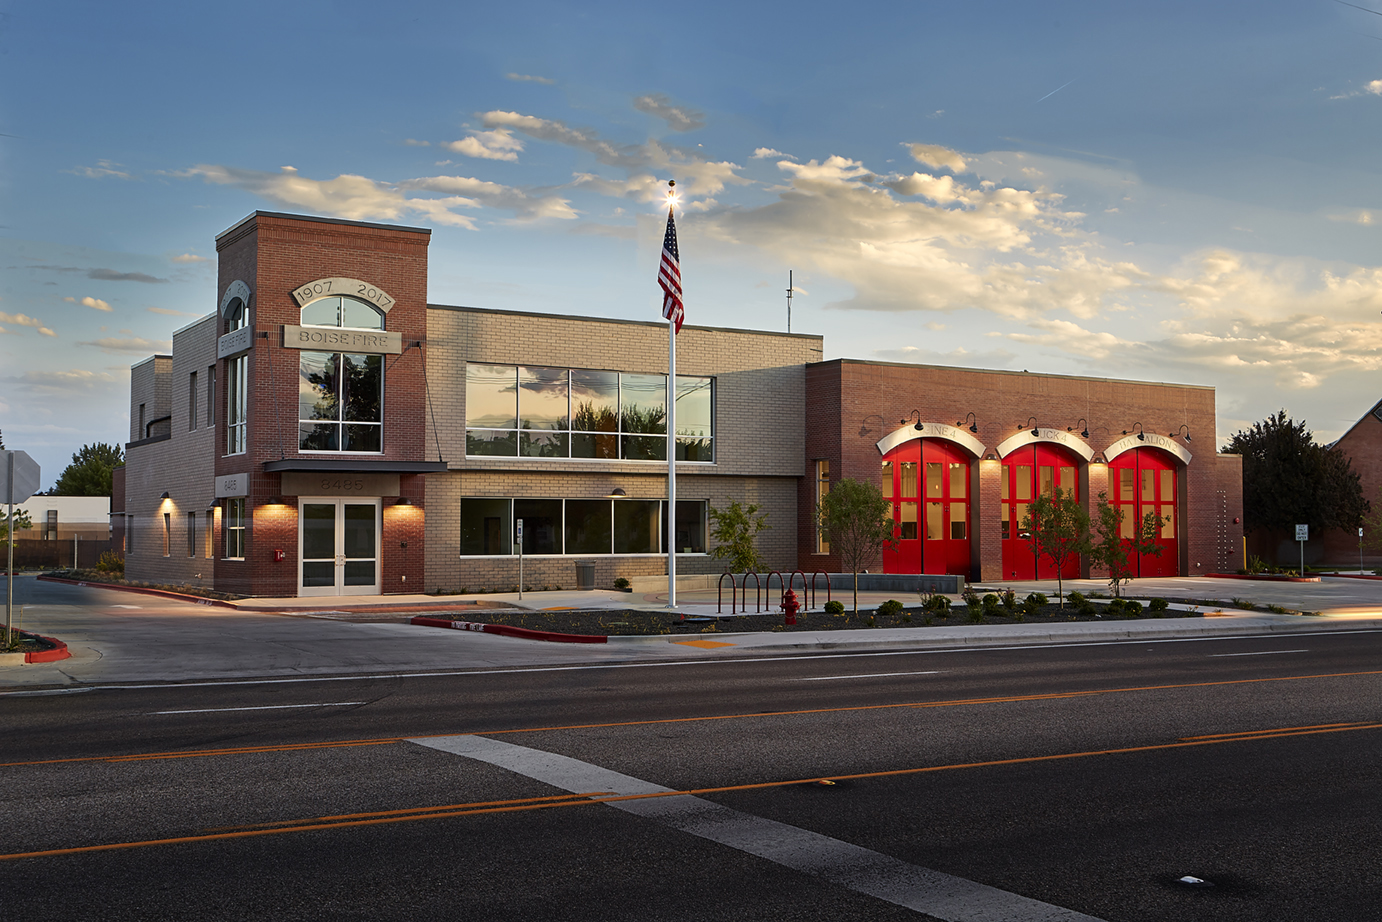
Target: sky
(1179,191)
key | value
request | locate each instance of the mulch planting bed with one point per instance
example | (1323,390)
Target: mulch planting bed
(630,622)
(24,642)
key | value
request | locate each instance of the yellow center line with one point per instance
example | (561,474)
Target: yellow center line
(429,813)
(410,810)
(1214,736)
(955,702)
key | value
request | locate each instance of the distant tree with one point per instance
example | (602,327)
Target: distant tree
(858,522)
(89,474)
(734,531)
(2,441)
(1110,550)
(1058,529)
(1289,479)
(21,522)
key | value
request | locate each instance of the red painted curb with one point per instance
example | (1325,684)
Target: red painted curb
(1349,576)
(48,656)
(1266,579)
(196,599)
(509,631)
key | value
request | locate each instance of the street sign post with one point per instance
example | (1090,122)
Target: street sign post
(19,476)
(518,536)
(1302,535)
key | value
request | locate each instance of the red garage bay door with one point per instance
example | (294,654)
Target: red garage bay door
(1039,468)
(927,482)
(1143,481)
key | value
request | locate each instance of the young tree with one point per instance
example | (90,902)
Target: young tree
(734,530)
(1058,528)
(858,522)
(1110,550)
(89,474)
(1289,479)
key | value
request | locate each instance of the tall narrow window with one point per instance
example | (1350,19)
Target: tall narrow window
(237,383)
(235,529)
(167,533)
(192,401)
(237,370)
(142,433)
(822,488)
(191,534)
(209,534)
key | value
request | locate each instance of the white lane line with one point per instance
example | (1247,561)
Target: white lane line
(518,670)
(863,870)
(1258,653)
(265,707)
(871,675)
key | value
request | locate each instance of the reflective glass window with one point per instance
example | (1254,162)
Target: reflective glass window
(959,480)
(933,479)
(588,526)
(935,521)
(887,480)
(491,396)
(541,525)
(909,479)
(643,404)
(908,521)
(958,523)
(543,398)
(486,527)
(1125,488)
(636,526)
(595,401)
(1022,489)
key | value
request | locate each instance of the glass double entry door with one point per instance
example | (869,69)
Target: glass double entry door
(338,546)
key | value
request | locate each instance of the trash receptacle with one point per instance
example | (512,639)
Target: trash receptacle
(585,574)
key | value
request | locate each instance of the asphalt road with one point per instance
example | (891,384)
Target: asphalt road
(995,784)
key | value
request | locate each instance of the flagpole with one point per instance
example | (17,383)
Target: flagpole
(671,442)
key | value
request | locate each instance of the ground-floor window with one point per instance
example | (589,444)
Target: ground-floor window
(234,520)
(584,527)
(191,534)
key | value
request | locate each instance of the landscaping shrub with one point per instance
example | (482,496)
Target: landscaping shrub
(1116,606)
(621,583)
(936,603)
(1076,598)
(835,607)
(1133,608)
(1085,607)
(112,563)
(990,603)
(1036,600)
(1010,600)
(890,609)
(1158,607)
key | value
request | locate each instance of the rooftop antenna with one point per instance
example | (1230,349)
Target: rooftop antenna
(789,300)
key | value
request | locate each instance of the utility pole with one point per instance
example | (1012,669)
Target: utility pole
(789,300)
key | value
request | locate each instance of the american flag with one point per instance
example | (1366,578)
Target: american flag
(669,276)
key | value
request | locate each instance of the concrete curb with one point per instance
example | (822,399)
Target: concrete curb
(141,590)
(1269,578)
(509,631)
(59,652)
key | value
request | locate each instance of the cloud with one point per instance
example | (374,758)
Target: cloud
(992,358)
(63,383)
(953,246)
(94,303)
(23,320)
(110,275)
(414,142)
(359,198)
(529,78)
(167,312)
(763,153)
(1371,88)
(1360,216)
(678,118)
(189,258)
(499,144)
(133,344)
(103,169)
(693,172)
(937,157)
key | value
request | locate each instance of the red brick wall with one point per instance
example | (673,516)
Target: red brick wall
(851,405)
(1363,446)
(274,255)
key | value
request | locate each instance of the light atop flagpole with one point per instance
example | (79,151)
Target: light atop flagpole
(672,197)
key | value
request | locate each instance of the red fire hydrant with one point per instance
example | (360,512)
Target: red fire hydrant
(790,607)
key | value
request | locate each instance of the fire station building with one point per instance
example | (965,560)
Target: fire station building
(326,431)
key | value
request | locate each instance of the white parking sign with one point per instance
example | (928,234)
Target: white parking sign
(1302,532)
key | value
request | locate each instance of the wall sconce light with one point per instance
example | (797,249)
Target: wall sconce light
(972,420)
(1084,433)
(617,493)
(990,457)
(274,501)
(403,501)
(165,495)
(1031,421)
(1137,427)
(1177,432)
(917,413)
